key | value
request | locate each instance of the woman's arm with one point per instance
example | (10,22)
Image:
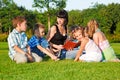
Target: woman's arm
(51,33)
(58,47)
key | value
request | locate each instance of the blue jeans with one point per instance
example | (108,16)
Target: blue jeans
(68,54)
(71,54)
(62,54)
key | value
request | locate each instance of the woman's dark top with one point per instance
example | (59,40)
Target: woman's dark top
(58,38)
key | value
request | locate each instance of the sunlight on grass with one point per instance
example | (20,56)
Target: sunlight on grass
(60,70)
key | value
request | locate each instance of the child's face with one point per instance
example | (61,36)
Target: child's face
(78,35)
(41,32)
(23,26)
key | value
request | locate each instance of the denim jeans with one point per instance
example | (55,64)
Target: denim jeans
(71,54)
(68,54)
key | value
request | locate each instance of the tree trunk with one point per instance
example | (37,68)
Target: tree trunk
(48,22)
(9,30)
(0,28)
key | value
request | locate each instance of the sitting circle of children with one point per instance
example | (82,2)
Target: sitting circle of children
(84,44)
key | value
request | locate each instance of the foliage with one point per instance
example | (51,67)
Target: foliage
(108,16)
(49,7)
(114,38)
(117,31)
(3,37)
(75,17)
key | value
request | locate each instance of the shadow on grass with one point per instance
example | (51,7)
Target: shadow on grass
(118,56)
(46,58)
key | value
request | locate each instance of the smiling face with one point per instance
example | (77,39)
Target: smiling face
(60,21)
(78,35)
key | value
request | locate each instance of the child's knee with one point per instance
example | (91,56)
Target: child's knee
(37,58)
(20,58)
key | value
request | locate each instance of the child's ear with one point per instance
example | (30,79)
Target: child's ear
(18,24)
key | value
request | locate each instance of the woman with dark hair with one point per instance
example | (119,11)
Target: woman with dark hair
(58,32)
(57,36)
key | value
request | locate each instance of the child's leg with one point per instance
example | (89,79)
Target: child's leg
(20,58)
(91,57)
(36,57)
(62,54)
(71,54)
(50,54)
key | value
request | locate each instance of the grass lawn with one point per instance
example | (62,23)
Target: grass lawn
(60,70)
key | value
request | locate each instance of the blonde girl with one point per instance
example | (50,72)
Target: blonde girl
(93,53)
(101,41)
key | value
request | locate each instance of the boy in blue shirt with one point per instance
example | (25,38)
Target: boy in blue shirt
(40,45)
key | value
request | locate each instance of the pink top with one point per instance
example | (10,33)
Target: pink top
(104,44)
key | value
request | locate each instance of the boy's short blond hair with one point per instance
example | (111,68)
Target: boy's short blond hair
(18,20)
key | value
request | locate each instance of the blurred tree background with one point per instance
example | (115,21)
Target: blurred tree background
(107,16)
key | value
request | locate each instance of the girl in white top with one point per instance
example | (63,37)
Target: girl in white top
(93,53)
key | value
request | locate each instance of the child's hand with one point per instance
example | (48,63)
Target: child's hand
(30,58)
(70,49)
(76,59)
(29,51)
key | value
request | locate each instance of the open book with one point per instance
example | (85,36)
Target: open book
(70,44)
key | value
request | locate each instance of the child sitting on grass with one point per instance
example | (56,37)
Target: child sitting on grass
(101,41)
(38,44)
(19,51)
(92,52)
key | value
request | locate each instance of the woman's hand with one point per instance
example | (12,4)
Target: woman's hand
(59,47)
(70,49)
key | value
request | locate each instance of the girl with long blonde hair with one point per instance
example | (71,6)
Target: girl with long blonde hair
(100,39)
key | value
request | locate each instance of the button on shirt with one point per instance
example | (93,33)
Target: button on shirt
(19,39)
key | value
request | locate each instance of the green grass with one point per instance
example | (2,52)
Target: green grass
(60,70)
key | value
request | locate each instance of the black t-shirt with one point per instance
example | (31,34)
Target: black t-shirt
(58,38)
